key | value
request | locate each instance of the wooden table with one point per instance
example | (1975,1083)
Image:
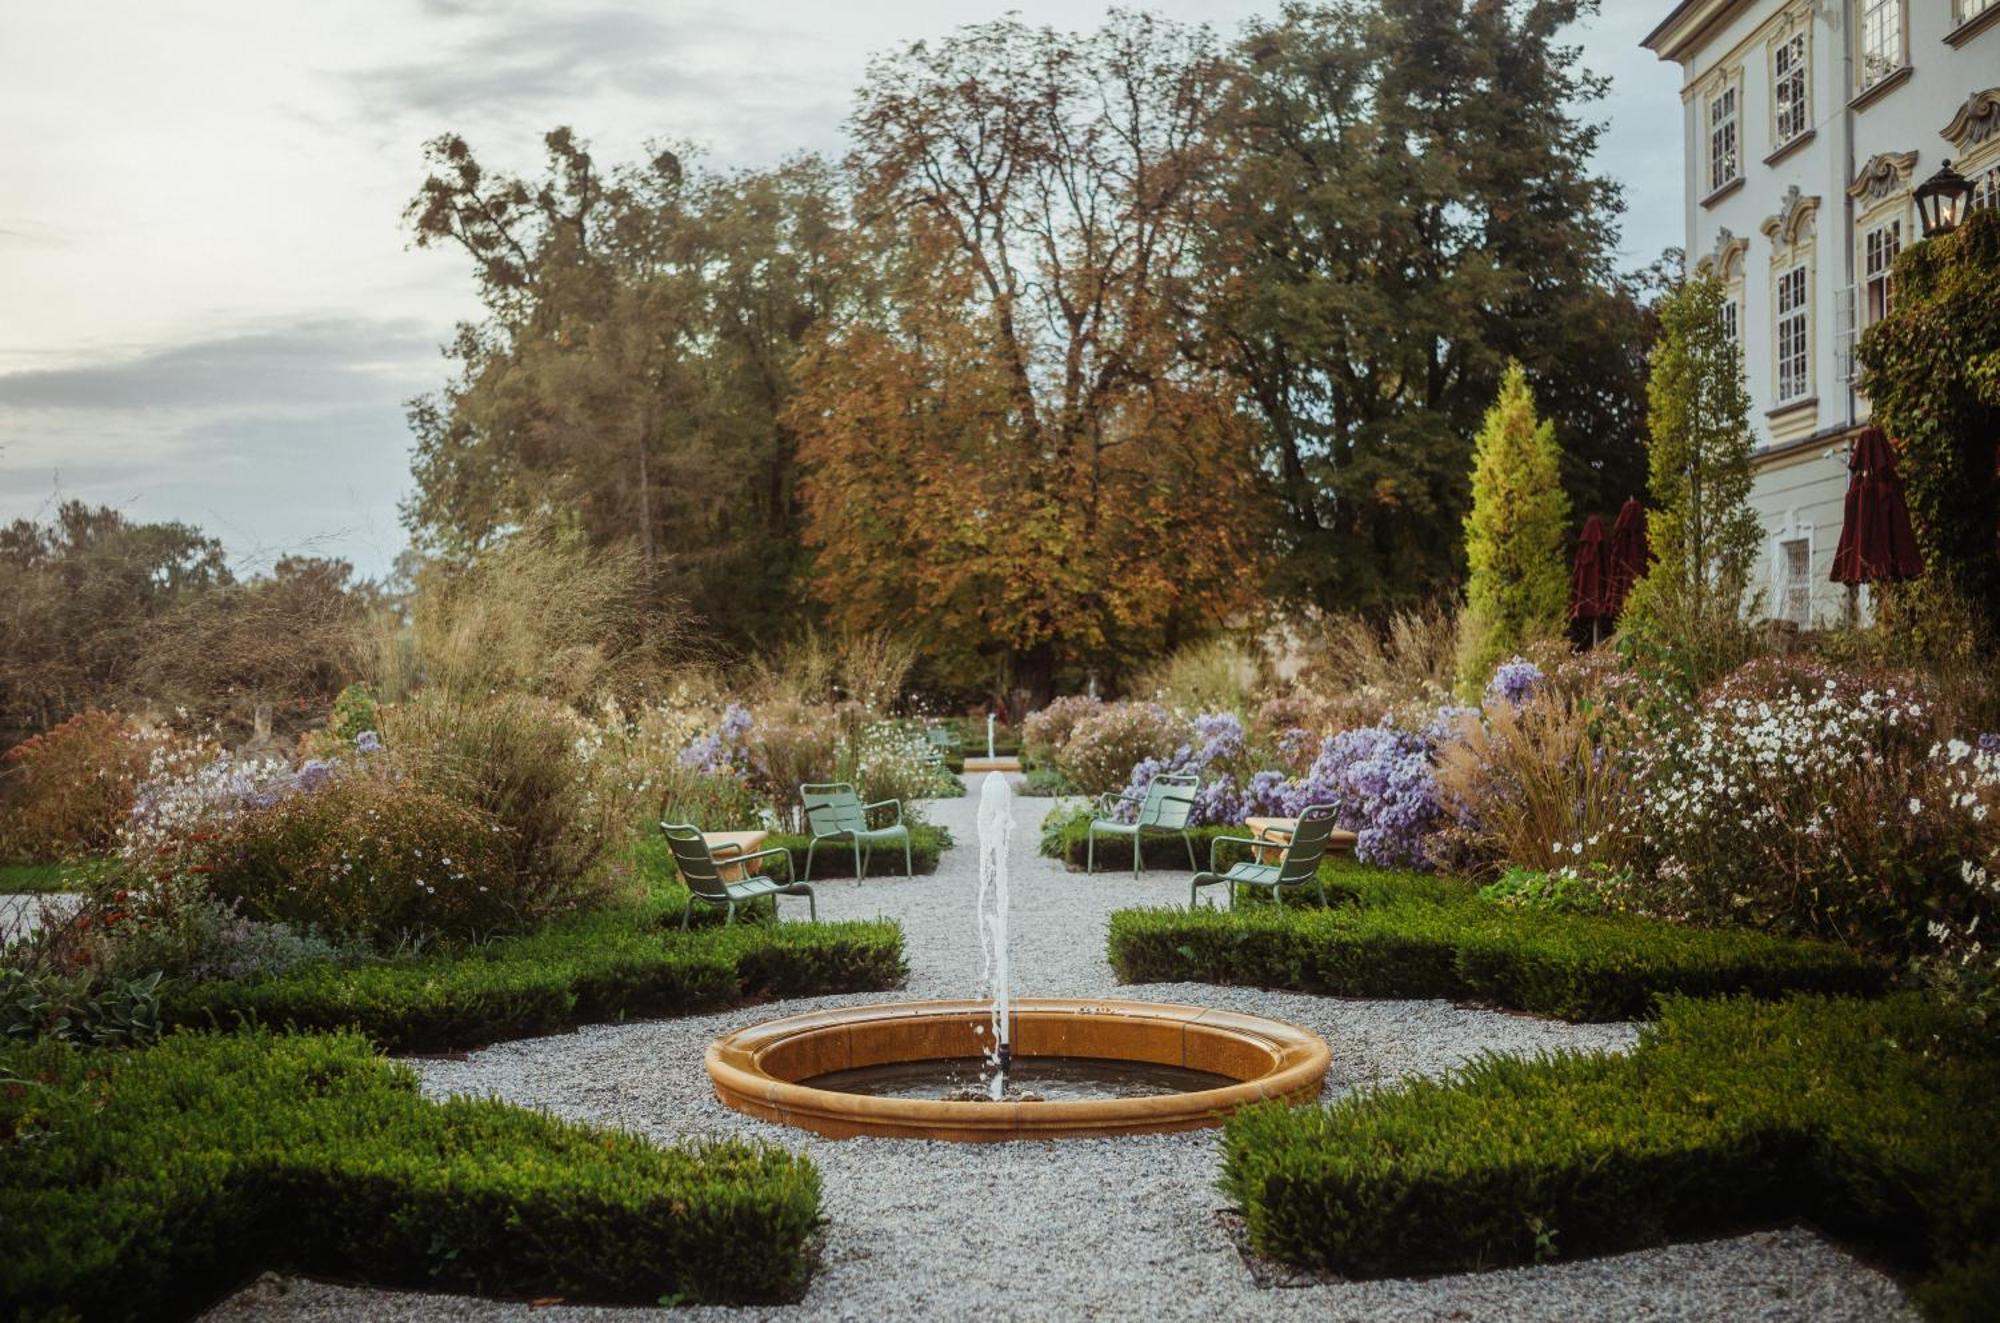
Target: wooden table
(722,844)
(1280,830)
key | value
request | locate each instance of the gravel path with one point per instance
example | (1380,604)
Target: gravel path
(1121,1228)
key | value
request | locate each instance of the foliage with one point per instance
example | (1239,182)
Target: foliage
(1564,890)
(1517,590)
(1867,1118)
(1929,372)
(1216,675)
(1704,536)
(1107,744)
(527,766)
(1381,783)
(79,1008)
(1064,833)
(365,859)
(1356,669)
(66,791)
(1048,729)
(1236,777)
(83,591)
(1833,810)
(140,1185)
(927,844)
(606,965)
(1005,448)
(1372,259)
(355,712)
(33,879)
(630,378)
(1400,938)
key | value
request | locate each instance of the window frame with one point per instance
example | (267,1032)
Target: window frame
(1801,71)
(1786,585)
(1893,223)
(1964,11)
(1801,351)
(1730,87)
(1899,29)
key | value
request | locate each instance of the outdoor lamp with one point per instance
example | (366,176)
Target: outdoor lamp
(1941,201)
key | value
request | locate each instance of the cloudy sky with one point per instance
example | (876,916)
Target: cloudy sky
(209,309)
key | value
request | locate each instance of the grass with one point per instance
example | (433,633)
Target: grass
(143,1184)
(1873,1119)
(36,879)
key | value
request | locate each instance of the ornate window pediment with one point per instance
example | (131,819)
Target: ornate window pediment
(1977,122)
(1885,175)
(1793,222)
(1726,262)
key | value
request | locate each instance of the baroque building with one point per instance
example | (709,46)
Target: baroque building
(1807,124)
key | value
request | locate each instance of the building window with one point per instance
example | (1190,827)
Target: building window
(1881,40)
(1879,247)
(1732,322)
(1971,9)
(1794,328)
(1789,87)
(1795,580)
(1986,184)
(1724,162)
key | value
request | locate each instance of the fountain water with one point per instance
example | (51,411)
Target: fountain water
(996,833)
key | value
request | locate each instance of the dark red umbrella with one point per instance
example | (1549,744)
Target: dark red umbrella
(1586,573)
(1876,545)
(1626,560)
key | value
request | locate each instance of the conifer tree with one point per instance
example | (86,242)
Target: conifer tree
(1690,603)
(1517,589)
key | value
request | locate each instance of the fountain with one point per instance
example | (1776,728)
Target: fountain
(1004,1067)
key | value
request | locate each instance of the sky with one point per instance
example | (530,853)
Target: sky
(210,309)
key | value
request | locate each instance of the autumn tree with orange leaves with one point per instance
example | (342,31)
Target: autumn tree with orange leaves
(1008,453)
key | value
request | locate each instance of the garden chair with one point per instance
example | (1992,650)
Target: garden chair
(943,742)
(834,812)
(1165,807)
(703,874)
(1298,865)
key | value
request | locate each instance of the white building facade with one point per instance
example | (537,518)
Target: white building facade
(1807,124)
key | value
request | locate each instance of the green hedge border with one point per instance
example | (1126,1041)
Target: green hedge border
(834,860)
(141,1185)
(1872,1118)
(1402,935)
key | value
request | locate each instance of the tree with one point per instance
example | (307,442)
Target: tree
(1008,450)
(1408,205)
(1931,371)
(1691,600)
(632,371)
(78,598)
(1517,590)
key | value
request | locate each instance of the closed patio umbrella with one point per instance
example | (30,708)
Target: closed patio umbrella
(1625,560)
(1586,576)
(1876,544)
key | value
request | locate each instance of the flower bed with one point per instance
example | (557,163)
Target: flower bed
(1412,936)
(1873,1119)
(141,1184)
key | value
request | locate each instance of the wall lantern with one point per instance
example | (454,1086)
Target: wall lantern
(1941,201)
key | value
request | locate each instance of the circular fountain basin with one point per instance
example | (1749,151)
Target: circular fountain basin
(767,1069)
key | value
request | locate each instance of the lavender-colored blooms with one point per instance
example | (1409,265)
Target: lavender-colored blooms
(1214,755)
(312,774)
(368,741)
(1381,784)
(1990,742)
(725,751)
(1514,680)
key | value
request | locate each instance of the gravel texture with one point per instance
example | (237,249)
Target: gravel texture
(1116,1228)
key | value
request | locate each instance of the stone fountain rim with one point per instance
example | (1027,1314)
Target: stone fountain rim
(1270,1059)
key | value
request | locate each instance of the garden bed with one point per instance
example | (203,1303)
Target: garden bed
(836,858)
(1409,935)
(143,1184)
(1872,1119)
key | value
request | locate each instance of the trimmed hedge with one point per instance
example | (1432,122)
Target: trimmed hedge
(611,965)
(836,859)
(141,1185)
(1408,936)
(34,879)
(1873,1119)
(1064,837)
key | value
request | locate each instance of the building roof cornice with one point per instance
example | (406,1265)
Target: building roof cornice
(1689,25)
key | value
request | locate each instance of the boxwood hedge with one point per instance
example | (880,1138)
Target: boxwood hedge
(1874,1119)
(1409,936)
(834,859)
(140,1185)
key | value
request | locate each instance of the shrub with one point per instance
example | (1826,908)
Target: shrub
(1358,668)
(1215,675)
(526,765)
(833,859)
(67,791)
(1380,781)
(1064,837)
(1237,779)
(354,714)
(608,965)
(143,1184)
(367,859)
(1107,744)
(1869,1118)
(1045,733)
(893,760)
(1565,890)
(80,1008)
(1404,941)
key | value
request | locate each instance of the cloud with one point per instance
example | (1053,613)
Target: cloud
(328,361)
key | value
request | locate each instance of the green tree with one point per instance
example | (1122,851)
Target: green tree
(1408,204)
(1517,589)
(1690,603)
(632,372)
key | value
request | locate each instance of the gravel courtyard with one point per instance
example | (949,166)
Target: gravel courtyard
(1126,1228)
